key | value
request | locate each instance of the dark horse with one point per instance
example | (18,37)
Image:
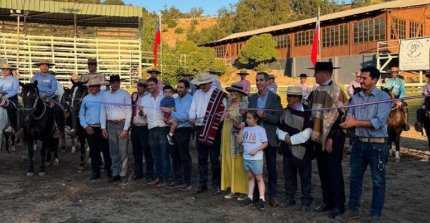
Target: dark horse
(395,124)
(73,98)
(38,124)
(423,118)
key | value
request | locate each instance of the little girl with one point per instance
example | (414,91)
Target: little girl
(254,140)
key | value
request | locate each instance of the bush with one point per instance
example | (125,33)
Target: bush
(179,30)
(171,23)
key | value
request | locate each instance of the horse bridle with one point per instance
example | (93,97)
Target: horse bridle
(32,109)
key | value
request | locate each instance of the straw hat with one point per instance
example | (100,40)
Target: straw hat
(242,72)
(92,61)
(44,61)
(204,78)
(295,90)
(213,71)
(95,82)
(236,87)
(7,66)
(141,81)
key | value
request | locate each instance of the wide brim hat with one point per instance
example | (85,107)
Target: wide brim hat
(7,66)
(95,82)
(47,62)
(213,71)
(324,66)
(294,90)
(142,81)
(153,70)
(303,75)
(114,78)
(242,72)
(236,87)
(204,78)
(92,61)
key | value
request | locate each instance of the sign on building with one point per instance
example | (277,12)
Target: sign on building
(414,54)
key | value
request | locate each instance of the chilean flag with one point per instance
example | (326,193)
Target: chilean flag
(315,44)
(157,42)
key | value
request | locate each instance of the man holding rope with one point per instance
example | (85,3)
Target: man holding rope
(369,144)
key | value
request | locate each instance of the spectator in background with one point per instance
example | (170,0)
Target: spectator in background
(245,83)
(354,86)
(273,87)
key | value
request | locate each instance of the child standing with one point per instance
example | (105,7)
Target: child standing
(169,102)
(254,140)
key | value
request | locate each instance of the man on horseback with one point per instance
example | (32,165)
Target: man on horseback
(47,85)
(9,86)
(397,86)
(92,73)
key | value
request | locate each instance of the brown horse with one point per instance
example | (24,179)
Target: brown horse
(395,124)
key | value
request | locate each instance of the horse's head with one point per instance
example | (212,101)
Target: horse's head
(30,95)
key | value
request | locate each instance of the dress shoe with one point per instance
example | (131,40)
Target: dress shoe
(201,189)
(94,176)
(137,177)
(305,208)
(216,190)
(273,202)
(322,207)
(350,215)
(336,213)
(114,179)
(153,181)
(288,203)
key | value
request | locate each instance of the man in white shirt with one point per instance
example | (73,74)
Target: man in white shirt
(199,107)
(158,130)
(115,117)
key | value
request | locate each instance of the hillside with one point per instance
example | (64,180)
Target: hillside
(179,33)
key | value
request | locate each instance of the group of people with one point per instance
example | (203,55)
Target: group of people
(249,130)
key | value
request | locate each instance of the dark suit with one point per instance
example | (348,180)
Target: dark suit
(270,123)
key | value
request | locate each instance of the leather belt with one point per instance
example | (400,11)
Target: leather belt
(373,140)
(95,126)
(139,125)
(117,121)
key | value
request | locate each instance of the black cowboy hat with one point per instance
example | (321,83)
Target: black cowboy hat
(304,75)
(113,78)
(324,66)
(153,70)
(242,72)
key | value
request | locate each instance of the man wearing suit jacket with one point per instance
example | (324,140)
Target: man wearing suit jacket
(265,99)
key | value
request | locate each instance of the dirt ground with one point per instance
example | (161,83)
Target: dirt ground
(63,195)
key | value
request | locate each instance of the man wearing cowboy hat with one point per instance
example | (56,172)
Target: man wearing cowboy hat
(268,106)
(115,118)
(9,86)
(273,87)
(245,83)
(328,138)
(47,85)
(139,135)
(305,87)
(397,86)
(89,118)
(153,73)
(216,73)
(198,117)
(188,77)
(295,131)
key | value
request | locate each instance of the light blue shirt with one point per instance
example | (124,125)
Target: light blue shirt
(89,113)
(182,109)
(47,84)
(397,86)
(9,85)
(261,101)
(116,106)
(377,114)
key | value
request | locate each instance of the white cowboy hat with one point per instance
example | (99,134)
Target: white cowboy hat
(294,90)
(204,78)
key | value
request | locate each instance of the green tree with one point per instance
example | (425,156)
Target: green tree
(258,49)
(304,9)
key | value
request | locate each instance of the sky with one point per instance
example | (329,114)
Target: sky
(210,7)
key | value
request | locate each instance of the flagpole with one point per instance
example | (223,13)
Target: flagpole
(161,47)
(319,36)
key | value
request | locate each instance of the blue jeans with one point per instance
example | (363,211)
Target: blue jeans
(157,140)
(375,155)
(118,148)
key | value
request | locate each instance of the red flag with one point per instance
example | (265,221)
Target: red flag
(156,43)
(315,44)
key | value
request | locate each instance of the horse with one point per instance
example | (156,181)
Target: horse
(73,98)
(395,124)
(38,123)
(423,118)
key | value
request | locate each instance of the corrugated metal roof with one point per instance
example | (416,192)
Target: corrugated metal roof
(337,15)
(73,8)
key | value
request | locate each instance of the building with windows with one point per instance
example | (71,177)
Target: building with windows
(350,39)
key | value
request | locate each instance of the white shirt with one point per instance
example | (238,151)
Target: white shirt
(116,106)
(151,108)
(298,138)
(253,137)
(137,119)
(200,104)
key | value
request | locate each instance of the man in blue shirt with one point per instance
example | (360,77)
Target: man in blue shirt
(9,86)
(181,158)
(368,124)
(47,85)
(397,86)
(89,118)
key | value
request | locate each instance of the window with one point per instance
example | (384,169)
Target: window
(398,29)
(304,38)
(369,30)
(282,41)
(415,29)
(335,35)
(220,51)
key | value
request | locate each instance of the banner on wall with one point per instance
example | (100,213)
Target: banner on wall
(414,54)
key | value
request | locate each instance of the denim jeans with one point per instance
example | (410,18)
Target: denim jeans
(375,155)
(157,140)
(139,140)
(118,148)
